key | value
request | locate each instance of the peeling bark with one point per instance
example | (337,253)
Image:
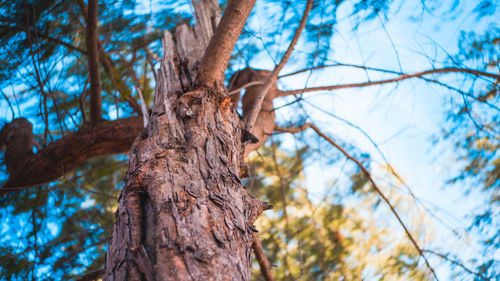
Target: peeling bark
(183,214)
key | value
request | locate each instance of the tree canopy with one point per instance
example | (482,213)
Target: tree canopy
(342,210)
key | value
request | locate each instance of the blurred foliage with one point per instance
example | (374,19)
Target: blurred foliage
(475,129)
(325,239)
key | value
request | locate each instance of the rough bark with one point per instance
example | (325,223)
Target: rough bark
(61,156)
(183,214)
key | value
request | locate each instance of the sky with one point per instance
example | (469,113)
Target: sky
(403,119)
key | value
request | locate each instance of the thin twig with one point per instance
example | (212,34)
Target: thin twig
(370,179)
(252,116)
(478,73)
(436,70)
(445,257)
(253,83)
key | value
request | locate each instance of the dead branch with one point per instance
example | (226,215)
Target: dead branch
(271,80)
(91,39)
(218,52)
(386,81)
(265,265)
(370,179)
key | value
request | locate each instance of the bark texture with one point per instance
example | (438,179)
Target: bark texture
(183,214)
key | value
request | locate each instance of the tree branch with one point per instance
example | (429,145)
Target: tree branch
(93,62)
(265,266)
(271,80)
(218,52)
(370,179)
(380,82)
(456,263)
(237,91)
(63,155)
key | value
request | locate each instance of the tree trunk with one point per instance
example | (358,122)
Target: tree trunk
(183,214)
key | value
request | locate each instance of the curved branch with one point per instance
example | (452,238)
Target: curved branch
(63,155)
(271,80)
(370,179)
(397,79)
(218,52)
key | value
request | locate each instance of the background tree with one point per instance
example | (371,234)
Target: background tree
(60,229)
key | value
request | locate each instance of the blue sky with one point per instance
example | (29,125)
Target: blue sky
(401,118)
